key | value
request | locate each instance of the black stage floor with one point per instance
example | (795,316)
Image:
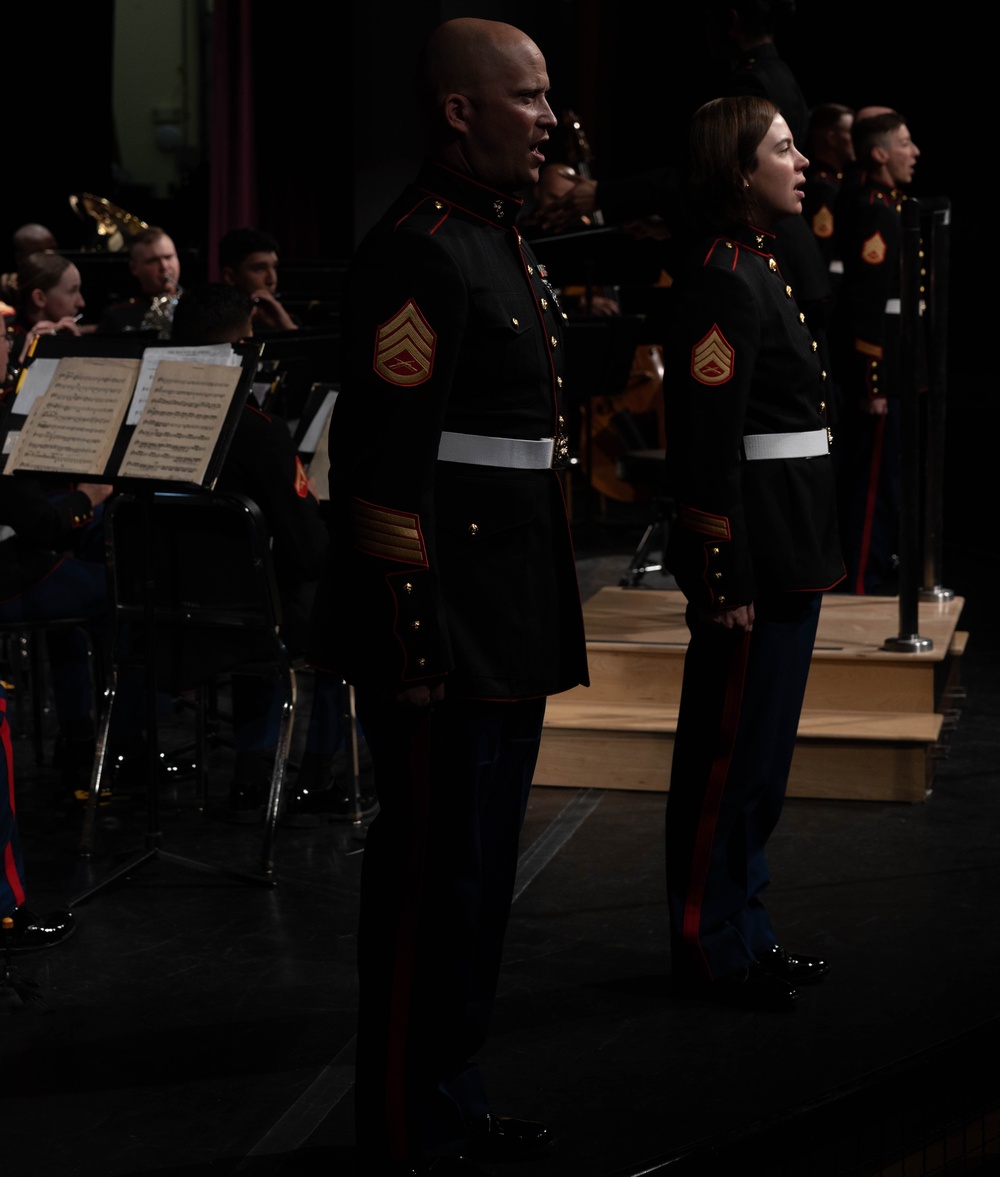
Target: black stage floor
(197,1025)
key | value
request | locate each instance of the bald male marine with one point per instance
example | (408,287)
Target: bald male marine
(451,599)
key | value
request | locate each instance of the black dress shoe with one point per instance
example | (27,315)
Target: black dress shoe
(126,772)
(752,987)
(793,968)
(307,808)
(323,793)
(32,932)
(496,1139)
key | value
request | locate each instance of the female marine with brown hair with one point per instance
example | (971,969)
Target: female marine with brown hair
(753,548)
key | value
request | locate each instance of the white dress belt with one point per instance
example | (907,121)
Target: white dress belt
(759,447)
(894,306)
(513,453)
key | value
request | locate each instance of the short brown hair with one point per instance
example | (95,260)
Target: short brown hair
(725,135)
(874,132)
(148,236)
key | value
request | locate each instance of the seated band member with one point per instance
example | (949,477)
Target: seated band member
(49,299)
(754,546)
(26,240)
(51,567)
(154,264)
(248,261)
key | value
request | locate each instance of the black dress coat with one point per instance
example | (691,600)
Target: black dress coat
(741,360)
(442,569)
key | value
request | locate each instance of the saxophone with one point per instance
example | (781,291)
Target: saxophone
(160,315)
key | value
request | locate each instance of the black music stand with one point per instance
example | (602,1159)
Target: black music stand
(300,358)
(144,489)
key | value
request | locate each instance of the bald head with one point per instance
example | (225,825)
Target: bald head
(482,87)
(462,54)
(31,239)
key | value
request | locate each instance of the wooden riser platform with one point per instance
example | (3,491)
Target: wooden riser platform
(871,723)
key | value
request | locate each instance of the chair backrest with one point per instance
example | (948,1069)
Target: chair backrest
(201,562)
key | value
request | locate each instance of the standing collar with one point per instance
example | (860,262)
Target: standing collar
(887,190)
(489,204)
(751,237)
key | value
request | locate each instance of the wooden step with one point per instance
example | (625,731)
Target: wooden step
(870,726)
(839,754)
(637,639)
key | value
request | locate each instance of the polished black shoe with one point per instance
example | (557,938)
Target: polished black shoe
(793,967)
(32,932)
(323,793)
(495,1139)
(752,987)
(307,808)
(126,772)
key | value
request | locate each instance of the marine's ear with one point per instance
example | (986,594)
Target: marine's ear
(458,112)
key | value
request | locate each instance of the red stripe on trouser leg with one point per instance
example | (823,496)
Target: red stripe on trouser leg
(705,836)
(9,864)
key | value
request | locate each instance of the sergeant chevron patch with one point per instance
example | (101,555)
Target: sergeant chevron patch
(404,347)
(873,249)
(715,525)
(822,223)
(387,533)
(712,358)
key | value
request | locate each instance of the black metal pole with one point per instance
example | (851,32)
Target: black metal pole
(908,638)
(935,262)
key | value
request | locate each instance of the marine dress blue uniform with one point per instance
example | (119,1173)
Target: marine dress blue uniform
(450,563)
(868,366)
(748,459)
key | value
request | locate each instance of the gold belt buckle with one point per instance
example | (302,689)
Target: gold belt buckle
(560,447)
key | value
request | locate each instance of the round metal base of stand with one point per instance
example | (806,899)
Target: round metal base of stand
(937,594)
(913,644)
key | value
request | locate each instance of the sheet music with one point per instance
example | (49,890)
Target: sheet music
(180,425)
(34,383)
(72,428)
(152,357)
(317,430)
(319,469)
